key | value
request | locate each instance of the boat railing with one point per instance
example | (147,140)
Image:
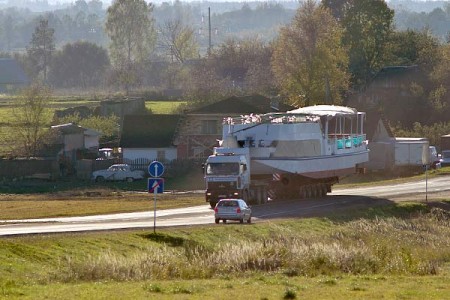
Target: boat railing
(346,141)
(274,118)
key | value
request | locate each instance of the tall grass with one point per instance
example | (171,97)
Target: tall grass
(418,245)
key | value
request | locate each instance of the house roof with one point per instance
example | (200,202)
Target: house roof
(395,70)
(372,119)
(148,131)
(11,72)
(69,128)
(243,105)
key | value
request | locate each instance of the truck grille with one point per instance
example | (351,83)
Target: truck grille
(222,185)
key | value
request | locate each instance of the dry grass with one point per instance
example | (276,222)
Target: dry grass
(413,246)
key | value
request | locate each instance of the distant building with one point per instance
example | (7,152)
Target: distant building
(122,107)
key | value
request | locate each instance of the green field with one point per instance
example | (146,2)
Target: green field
(6,106)
(163,107)
(157,107)
(400,251)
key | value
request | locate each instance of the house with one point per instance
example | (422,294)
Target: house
(12,76)
(70,139)
(149,137)
(200,129)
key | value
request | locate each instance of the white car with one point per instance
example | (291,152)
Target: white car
(232,209)
(118,172)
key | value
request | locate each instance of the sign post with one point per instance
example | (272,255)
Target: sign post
(155,185)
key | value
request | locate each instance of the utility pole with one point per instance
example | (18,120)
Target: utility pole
(209,31)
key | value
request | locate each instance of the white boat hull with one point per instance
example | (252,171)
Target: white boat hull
(314,167)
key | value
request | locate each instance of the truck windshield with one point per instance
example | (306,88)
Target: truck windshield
(222,169)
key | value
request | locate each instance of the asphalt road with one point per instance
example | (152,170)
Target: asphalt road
(340,199)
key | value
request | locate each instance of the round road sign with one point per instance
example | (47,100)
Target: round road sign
(155,169)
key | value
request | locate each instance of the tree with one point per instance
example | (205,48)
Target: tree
(440,94)
(8,31)
(204,85)
(178,40)
(337,7)
(30,119)
(107,125)
(81,64)
(130,27)
(368,24)
(41,47)
(234,67)
(309,62)
(412,48)
(246,63)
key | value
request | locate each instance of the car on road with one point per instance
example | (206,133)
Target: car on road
(118,172)
(445,158)
(232,209)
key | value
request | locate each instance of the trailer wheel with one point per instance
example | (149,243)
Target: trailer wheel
(308,191)
(314,191)
(324,190)
(245,196)
(302,193)
(265,195)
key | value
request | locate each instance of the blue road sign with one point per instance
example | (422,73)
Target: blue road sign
(155,185)
(155,169)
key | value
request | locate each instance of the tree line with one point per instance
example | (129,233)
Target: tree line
(328,49)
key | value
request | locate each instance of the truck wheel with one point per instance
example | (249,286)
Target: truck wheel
(217,221)
(308,191)
(324,190)
(100,179)
(130,179)
(245,196)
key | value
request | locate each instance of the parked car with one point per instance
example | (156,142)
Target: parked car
(232,209)
(445,158)
(118,172)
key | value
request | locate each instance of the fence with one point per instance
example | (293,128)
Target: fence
(49,168)
(37,168)
(172,168)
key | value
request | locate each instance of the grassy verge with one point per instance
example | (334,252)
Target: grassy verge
(396,251)
(92,202)
(380,178)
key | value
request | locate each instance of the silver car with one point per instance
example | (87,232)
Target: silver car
(232,209)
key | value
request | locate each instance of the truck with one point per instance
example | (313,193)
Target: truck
(411,152)
(295,154)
